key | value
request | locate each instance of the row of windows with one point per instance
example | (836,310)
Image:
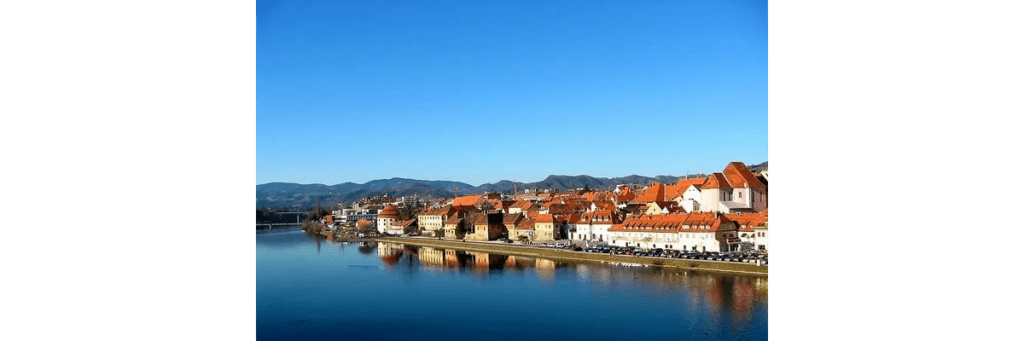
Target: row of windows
(727,197)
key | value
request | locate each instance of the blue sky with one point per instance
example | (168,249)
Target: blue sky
(480,91)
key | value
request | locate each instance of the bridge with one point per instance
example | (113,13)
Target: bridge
(269,226)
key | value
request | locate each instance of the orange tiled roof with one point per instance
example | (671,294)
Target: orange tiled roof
(544,218)
(525,224)
(569,218)
(739,176)
(716,180)
(389,212)
(405,223)
(748,221)
(442,211)
(654,193)
(598,217)
(677,189)
(469,200)
(523,204)
(512,219)
(704,222)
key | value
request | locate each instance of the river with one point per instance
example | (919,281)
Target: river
(309,288)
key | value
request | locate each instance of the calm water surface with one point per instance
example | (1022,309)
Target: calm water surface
(309,288)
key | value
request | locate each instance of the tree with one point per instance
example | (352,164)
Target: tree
(406,212)
(364,226)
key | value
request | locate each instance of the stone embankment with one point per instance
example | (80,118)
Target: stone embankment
(562,254)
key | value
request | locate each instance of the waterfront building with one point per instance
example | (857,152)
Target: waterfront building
(544,228)
(747,226)
(455,227)
(386,219)
(525,228)
(432,220)
(708,232)
(488,226)
(593,226)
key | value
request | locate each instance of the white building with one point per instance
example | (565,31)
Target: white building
(705,232)
(349,216)
(734,190)
(386,219)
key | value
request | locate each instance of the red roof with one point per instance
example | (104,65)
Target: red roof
(677,189)
(748,221)
(654,193)
(598,217)
(570,218)
(406,223)
(453,219)
(739,176)
(389,212)
(716,180)
(525,224)
(442,211)
(671,223)
(469,200)
(512,219)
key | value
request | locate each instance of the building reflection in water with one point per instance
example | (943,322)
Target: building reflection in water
(390,253)
(739,295)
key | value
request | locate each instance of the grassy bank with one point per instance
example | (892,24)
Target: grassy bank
(558,254)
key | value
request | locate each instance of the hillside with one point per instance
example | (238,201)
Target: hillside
(281,194)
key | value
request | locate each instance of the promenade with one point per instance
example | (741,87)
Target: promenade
(567,255)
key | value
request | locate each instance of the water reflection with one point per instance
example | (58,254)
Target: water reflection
(367,248)
(737,294)
(601,301)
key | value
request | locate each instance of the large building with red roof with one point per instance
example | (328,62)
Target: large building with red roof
(386,218)
(593,226)
(705,232)
(733,190)
(432,220)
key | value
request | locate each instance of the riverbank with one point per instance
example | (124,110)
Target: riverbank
(560,254)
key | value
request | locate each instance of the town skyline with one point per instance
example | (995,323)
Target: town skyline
(523,181)
(353,92)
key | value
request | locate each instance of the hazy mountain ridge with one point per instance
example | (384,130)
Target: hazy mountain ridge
(283,194)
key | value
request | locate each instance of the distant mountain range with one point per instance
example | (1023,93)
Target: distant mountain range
(283,194)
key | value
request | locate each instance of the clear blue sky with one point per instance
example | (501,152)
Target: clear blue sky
(480,91)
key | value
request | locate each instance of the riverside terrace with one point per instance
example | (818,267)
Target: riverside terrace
(577,254)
